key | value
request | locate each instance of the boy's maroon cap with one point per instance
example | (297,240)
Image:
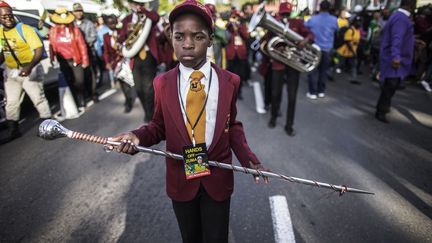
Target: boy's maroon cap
(192,6)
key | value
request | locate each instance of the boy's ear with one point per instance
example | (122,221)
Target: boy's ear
(211,37)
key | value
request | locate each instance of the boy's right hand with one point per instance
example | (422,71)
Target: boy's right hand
(128,142)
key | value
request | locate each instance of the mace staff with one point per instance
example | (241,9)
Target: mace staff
(51,129)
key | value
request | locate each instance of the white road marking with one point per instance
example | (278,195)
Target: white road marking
(259,100)
(107,93)
(282,225)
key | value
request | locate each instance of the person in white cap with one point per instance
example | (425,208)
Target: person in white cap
(88,29)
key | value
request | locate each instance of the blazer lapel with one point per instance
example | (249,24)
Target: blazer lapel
(224,104)
(173,104)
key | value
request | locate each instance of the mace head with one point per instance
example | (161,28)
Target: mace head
(52,129)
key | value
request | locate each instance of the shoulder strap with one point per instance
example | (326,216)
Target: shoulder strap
(12,51)
(19,28)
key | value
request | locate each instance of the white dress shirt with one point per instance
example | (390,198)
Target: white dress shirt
(213,94)
(113,39)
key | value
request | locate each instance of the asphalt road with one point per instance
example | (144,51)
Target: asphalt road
(69,191)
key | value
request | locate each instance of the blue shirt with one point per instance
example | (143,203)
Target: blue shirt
(99,39)
(324,26)
(397,43)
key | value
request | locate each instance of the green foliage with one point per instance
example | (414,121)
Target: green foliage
(166,5)
(119,5)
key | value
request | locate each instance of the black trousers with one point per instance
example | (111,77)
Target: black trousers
(239,67)
(291,77)
(129,94)
(203,220)
(268,88)
(143,73)
(100,71)
(75,78)
(422,64)
(388,89)
(90,74)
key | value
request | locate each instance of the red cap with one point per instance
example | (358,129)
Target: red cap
(3,4)
(285,8)
(211,8)
(192,6)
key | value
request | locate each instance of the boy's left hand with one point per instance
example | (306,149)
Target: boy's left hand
(127,141)
(261,168)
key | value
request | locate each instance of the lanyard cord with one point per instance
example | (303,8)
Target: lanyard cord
(202,110)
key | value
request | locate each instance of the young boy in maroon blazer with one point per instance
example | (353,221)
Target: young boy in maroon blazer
(195,109)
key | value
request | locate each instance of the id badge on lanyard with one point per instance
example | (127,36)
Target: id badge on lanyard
(195,156)
(196,161)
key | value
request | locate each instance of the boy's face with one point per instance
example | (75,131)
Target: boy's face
(190,38)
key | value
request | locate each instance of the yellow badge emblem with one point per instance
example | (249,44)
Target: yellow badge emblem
(196,85)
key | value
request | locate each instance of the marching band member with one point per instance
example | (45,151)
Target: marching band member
(144,64)
(236,50)
(220,40)
(189,123)
(166,51)
(282,73)
(112,56)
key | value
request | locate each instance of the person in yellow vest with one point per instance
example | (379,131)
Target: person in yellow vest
(21,52)
(343,18)
(342,22)
(348,51)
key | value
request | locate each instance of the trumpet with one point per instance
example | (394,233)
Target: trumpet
(303,59)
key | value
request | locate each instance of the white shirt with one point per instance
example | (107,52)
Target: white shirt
(112,34)
(213,95)
(406,12)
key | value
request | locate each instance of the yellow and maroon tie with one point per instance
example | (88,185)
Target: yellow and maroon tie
(195,102)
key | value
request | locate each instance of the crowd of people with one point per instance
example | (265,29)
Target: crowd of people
(87,51)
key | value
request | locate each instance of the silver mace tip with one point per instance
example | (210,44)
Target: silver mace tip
(51,129)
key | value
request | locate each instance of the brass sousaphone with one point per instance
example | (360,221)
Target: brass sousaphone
(138,37)
(302,59)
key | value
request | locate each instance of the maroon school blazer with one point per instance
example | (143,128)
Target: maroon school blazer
(168,124)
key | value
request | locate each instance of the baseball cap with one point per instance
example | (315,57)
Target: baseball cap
(77,7)
(192,6)
(285,7)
